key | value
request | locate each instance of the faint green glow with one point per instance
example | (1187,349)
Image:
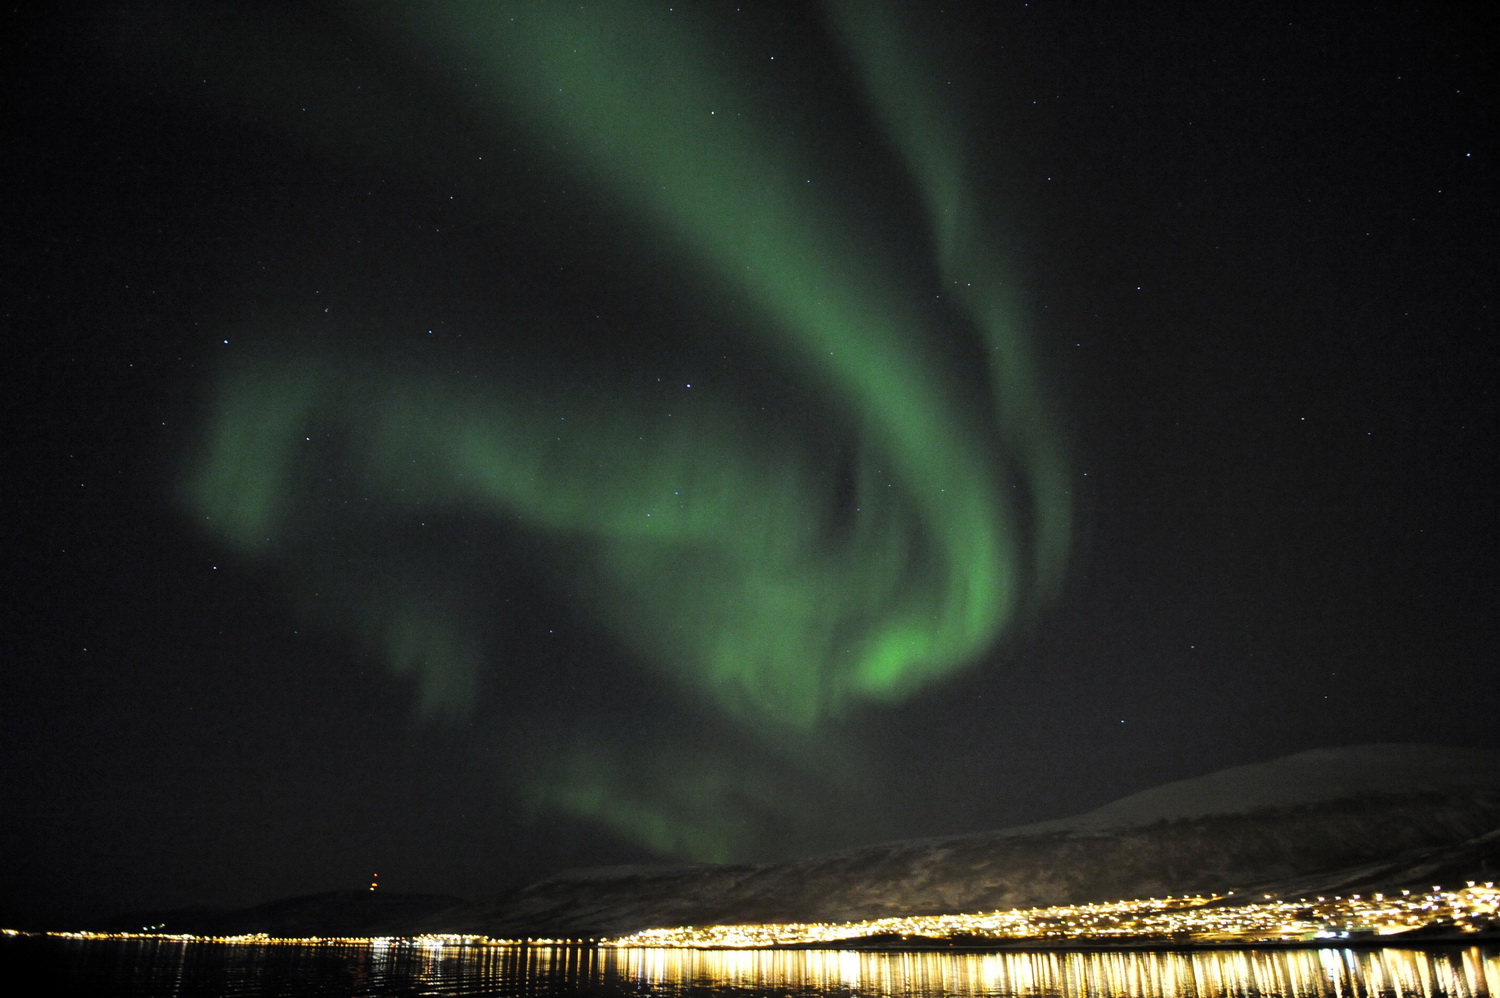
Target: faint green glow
(715,548)
(906,97)
(660,802)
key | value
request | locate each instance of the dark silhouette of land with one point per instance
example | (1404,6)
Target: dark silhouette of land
(1363,819)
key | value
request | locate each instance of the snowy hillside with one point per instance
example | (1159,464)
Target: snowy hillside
(1320,775)
(1365,818)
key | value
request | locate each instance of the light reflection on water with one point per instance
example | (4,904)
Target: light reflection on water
(1299,973)
(389,969)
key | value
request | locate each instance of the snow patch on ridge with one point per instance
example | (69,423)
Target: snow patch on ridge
(1325,774)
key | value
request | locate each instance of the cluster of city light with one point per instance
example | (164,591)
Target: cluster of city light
(1193,918)
(1200,918)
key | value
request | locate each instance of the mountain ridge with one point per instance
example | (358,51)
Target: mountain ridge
(1360,818)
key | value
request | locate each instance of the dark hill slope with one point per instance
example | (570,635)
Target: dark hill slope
(1358,818)
(1334,820)
(1349,845)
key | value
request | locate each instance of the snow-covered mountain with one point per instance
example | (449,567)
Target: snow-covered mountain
(1366,818)
(1355,818)
(1306,778)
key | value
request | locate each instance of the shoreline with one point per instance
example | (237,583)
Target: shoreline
(1445,940)
(1408,941)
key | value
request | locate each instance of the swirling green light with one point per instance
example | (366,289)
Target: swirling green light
(756,576)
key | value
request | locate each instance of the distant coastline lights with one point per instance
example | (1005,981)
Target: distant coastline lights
(1187,920)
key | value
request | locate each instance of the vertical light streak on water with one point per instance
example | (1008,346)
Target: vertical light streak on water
(1484,971)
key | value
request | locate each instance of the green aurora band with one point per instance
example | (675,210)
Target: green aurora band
(721,553)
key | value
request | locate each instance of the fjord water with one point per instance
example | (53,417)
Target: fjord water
(386,969)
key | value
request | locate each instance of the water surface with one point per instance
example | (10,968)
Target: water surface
(135,968)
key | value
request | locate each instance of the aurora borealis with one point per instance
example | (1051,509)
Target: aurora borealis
(776,576)
(471,441)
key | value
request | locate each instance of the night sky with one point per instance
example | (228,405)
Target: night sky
(464,441)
